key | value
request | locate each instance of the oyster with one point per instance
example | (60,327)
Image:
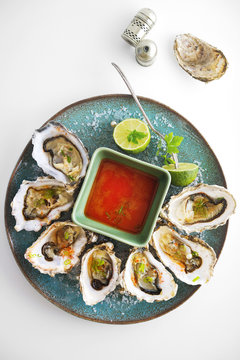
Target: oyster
(60,153)
(201,60)
(189,258)
(58,248)
(199,208)
(38,203)
(146,278)
(99,273)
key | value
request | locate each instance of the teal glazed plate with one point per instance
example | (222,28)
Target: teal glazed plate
(90,120)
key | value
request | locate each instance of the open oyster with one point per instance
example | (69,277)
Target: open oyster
(146,278)
(38,203)
(58,248)
(189,258)
(99,273)
(201,60)
(199,208)
(60,153)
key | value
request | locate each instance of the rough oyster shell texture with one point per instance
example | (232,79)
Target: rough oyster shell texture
(199,59)
(32,209)
(200,207)
(164,280)
(63,261)
(91,295)
(191,259)
(60,153)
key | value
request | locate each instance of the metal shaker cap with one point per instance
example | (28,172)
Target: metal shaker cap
(148,16)
(139,26)
(146,52)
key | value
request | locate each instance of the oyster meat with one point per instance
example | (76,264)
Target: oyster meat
(58,248)
(189,258)
(146,278)
(199,208)
(201,60)
(60,153)
(99,273)
(38,203)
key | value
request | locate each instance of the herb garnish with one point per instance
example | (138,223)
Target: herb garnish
(148,279)
(135,135)
(67,262)
(71,178)
(108,215)
(49,193)
(66,235)
(63,153)
(199,207)
(172,143)
(97,264)
(69,159)
(196,278)
(194,253)
(70,149)
(141,267)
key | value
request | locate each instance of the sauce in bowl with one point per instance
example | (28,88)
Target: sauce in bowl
(121,196)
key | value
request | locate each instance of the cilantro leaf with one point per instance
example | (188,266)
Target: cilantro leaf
(135,135)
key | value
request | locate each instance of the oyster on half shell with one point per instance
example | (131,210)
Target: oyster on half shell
(146,278)
(58,248)
(38,203)
(191,259)
(201,60)
(60,153)
(99,273)
(199,208)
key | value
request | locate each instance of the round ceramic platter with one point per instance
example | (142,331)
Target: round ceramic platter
(90,120)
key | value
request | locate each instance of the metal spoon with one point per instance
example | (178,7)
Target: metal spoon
(175,158)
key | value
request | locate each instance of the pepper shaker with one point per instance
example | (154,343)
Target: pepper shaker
(141,24)
(146,52)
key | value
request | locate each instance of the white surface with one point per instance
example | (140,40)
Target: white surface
(56,52)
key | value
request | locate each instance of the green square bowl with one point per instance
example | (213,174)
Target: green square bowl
(140,239)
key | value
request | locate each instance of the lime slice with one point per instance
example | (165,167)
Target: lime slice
(139,139)
(184,174)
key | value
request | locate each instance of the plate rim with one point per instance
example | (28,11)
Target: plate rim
(62,307)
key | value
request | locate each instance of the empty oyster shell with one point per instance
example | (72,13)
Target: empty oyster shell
(38,203)
(199,208)
(201,60)
(60,153)
(99,273)
(189,258)
(58,248)
(146,278)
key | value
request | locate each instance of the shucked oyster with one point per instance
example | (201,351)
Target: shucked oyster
(189,258)
(58,248)
(60,153)
(201,60)
(199,208)
(99,273)
(38,203)
(146,278)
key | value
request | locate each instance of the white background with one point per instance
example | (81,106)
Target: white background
(56,52)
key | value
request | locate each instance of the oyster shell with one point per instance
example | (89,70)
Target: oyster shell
(38,203)
(199,208)
(189,258)
(201,60)
(99,273)
(58,248)
(60,153)
(146,278)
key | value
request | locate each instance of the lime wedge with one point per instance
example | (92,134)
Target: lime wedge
(184,174)
(132,135)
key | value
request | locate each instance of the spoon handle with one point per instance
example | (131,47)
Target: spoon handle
(141,109)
